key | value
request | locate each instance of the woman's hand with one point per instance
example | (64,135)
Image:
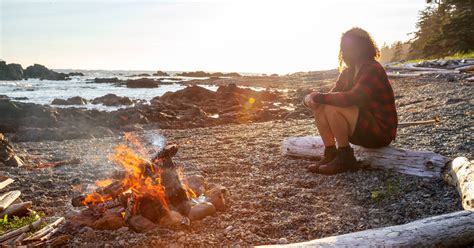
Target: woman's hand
(308,100)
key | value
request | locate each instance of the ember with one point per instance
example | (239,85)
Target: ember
(147,190)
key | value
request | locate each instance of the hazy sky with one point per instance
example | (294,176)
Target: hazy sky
(246,36)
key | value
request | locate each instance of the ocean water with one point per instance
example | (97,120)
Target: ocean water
(45,91)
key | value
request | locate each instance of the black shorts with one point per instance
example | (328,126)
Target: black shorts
(363,136)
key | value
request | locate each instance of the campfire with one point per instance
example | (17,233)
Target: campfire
(146,193)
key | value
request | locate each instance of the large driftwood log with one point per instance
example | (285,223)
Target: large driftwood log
(418,163)
(454,229)
(460,174)
(19,209)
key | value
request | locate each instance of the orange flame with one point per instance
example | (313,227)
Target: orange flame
(142,177)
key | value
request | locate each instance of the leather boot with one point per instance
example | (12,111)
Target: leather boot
(330,153)
(344,161)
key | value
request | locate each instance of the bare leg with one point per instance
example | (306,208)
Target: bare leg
(342,122)
(323,126)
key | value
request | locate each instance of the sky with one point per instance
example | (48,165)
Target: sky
(261,36)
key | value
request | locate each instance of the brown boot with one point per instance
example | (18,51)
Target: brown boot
(344,161)
(330,153)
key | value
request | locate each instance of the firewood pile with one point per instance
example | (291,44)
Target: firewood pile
(31,229)
(145,194)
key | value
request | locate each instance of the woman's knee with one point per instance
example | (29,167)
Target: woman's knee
(318,109)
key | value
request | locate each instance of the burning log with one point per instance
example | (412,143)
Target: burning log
(175,191)
(8,198)
(152,208)
(19,209)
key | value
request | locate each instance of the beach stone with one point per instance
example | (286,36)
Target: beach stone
(216,196)
(141,224)
(172,219)
(109,221)
(201,210)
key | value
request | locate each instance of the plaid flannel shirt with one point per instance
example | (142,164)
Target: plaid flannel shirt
(371,92)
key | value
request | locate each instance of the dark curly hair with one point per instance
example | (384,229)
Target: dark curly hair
(362,46)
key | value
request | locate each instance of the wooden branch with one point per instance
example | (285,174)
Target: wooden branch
(45,231)
(447,230)
(6,182)
(460,174)
(8,198)
(16,209)
(418,163)
(20,230)
(415,123)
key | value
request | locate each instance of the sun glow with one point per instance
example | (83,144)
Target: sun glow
(244,36)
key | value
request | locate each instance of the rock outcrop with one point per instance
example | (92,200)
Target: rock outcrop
(142,83)
(41,72)
(112,100)
(10,71)
(77,100)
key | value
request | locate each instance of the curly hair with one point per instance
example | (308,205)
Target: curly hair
(362,42)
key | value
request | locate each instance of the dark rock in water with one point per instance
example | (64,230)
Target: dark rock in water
(4,97)
(10,71)
(7,154)
(77,100)
(75,74)
(41,72)
(112,100)
(160,74)
(107,80)
(206,74)
(142,83)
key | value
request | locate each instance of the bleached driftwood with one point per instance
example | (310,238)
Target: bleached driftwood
(460,174)
(8,198)
(418,163)
(447,230)
(5,182)
(43,232)
(16,209)
(20,231)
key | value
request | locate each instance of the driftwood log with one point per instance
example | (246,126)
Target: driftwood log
(19,209)
(460,174)
(8,198)
(447,230)
(5,182)
(418,163)
(20,231)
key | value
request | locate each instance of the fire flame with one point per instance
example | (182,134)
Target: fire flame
(142,177)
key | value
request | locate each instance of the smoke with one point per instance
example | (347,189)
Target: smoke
(156,139)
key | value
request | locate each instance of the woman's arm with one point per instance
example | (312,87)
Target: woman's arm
(359,95)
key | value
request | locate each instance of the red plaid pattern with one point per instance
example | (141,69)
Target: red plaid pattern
(372,93)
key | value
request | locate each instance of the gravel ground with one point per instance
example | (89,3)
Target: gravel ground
(272,199)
